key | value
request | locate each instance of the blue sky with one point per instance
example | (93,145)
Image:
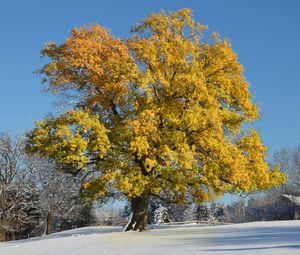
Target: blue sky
(264,33)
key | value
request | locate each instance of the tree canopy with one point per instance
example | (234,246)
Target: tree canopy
(160,113)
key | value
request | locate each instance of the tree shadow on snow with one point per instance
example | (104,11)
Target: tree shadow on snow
(295,246)
(262,237)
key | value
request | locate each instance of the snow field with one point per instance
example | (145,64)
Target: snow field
(282,237)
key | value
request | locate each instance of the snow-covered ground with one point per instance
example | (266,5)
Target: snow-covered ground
(251,238)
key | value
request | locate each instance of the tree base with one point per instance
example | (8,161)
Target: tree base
(139,215)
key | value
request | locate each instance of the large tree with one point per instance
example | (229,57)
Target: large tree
(159,114)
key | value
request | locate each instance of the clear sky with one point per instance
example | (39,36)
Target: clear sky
(264,33)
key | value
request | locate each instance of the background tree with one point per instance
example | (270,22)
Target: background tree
(201,212)
(110,215)
(268,206)
(175,212)
(158,113)
(289,160)
(161,215)
(236,211)
(59,196)
(178,212)
(19,200)
(219,212)
(35,198)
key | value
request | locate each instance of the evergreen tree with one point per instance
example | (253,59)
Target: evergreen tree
(161,215)
(201,212)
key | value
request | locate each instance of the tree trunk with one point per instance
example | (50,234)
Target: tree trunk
(48,224)
(2,236)
(139,214)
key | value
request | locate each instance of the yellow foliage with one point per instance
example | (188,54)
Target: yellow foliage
(71,139)
(164,112)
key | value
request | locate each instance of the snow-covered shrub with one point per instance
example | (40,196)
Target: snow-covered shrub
(161,215)
(108,216)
